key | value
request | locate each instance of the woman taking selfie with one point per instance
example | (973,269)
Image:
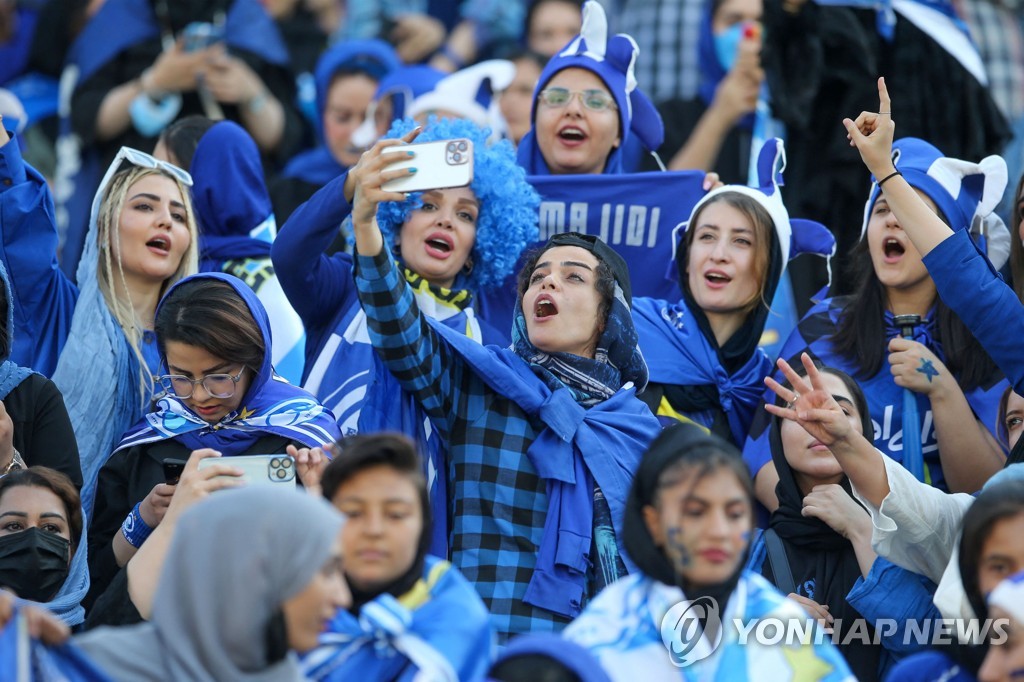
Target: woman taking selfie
(547,429)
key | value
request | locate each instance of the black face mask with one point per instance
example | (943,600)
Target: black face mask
(34,563)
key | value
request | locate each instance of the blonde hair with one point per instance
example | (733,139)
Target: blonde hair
(110,270)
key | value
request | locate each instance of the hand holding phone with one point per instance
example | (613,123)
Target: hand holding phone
(439,165)
(172,470)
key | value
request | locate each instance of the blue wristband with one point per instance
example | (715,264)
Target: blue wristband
(134,529)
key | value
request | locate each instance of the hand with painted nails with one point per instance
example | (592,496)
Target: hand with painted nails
(366,177)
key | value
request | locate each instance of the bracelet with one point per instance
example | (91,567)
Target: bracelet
(134,529)
(890,175)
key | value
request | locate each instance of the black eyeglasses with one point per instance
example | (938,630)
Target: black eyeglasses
(217,385)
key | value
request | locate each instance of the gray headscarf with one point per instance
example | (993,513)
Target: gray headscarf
(233,561)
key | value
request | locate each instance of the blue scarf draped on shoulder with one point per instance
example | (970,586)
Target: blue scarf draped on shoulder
(270,405)
(439,628)
(579,446)
(11,374)
(679,354)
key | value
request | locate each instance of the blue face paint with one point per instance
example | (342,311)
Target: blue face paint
(727,45)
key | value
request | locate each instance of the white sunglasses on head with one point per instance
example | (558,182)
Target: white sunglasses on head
(133,157)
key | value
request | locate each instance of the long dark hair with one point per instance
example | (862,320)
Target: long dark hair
(860,335)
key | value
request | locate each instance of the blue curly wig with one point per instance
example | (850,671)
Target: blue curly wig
(507,223)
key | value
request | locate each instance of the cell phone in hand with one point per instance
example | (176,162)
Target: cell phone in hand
(200,35)
(172,470)
(259,469)
(439,165)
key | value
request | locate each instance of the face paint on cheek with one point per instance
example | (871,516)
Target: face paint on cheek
(677,549)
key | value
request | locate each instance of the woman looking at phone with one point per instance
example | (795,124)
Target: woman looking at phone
(377,482)
(221,393)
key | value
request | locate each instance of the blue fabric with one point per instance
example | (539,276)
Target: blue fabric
(971,287)
(42,663)
(885,398)
(227,157)
(269,406)
(514,443)
(315,166)
(15,52)
(398,639)
(929,666)
(679,354)
(373,57)
(42,299)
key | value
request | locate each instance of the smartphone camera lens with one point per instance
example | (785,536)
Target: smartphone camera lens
(451,146)
(457,157)
(281,473)
(462,146)
(286,462)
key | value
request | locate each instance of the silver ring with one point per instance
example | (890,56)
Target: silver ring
(885,113)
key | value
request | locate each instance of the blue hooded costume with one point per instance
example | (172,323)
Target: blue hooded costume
(237,228)
(695,379)
(960,191)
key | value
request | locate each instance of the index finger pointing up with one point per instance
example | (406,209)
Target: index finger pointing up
(884,103)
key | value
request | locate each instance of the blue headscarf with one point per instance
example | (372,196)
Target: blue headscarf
(270,405)
(376,59)
(710,68)
(10,374)
(229,222)
(612,60)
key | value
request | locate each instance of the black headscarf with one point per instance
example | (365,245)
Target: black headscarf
(823,562)
(672,445)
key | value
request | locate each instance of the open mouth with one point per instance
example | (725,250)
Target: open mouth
(544,307)
(893,248)
(160,244)
(571,134)
(717,278)
(439,244)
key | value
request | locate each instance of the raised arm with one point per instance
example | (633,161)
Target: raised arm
(872,135)
(965,280)
(44,299)
(412,350)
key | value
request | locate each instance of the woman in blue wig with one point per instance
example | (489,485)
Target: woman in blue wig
(95,339)
(541,439)
(586,106)
(703,350)
(452,244)
(956,384)
(346,77)
(412,615)
(221,393)
(688,522)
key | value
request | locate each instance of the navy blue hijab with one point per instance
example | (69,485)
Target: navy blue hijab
(230,198)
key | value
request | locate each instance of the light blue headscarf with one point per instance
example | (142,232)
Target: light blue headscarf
(11,374)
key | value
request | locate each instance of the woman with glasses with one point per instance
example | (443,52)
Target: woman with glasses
(585,109)
(142,238)
(213,336)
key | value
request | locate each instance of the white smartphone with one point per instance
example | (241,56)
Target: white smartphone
(259,469)
(439,165)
